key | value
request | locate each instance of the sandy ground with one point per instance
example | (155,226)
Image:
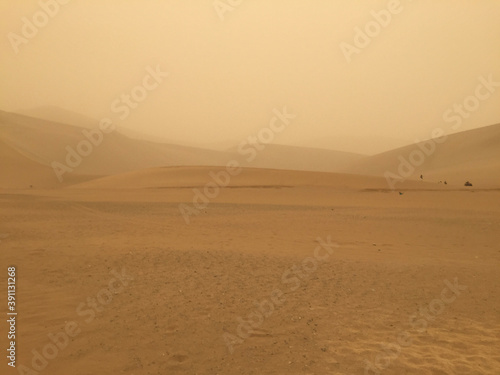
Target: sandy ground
(412,287)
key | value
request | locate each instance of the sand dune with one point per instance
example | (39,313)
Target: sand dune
(471,155)
(185,177)
(45,142)
(273,156)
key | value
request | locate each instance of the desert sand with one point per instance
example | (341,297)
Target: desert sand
(188,286)
(280,272)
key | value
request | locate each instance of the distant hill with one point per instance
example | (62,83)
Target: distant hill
(301,158)
(59,115)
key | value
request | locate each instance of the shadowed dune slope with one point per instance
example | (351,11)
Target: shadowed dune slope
(59,115)
(29,146)
(21,172)
(46,142)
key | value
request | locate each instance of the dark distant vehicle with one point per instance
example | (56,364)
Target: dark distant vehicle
(467,184)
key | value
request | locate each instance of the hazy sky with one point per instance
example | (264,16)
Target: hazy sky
(225,76)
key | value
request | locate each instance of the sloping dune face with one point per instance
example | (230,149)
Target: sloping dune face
(82,153)
(26,151)
(472,155)
(27,147)
(37,143)
(110,151)
(187,177)
(20,172)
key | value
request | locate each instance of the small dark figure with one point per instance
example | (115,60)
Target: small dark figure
(445,183)
(400,193)
(467,184)
(421,176)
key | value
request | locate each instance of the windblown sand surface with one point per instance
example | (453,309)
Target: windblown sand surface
(193,285)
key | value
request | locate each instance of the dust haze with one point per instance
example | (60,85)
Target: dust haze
(250,187)
(225,75)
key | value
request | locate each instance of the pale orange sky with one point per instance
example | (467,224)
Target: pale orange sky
(226,76)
